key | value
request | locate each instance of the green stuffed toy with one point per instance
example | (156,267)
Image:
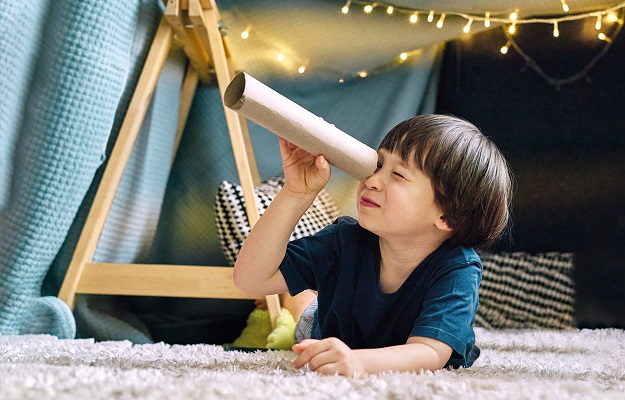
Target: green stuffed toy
(259,334)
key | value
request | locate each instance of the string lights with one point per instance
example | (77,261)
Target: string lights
(508,20)
(583,73)
(489,17)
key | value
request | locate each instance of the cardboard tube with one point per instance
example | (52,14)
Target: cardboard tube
(271,110)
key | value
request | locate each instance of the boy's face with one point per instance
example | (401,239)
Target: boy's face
(397,201)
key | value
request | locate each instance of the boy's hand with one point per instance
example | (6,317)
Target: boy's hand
(304,174)
(328,357)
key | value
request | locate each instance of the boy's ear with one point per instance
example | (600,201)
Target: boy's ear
(441,223)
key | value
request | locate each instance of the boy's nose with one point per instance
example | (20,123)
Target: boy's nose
(373,182)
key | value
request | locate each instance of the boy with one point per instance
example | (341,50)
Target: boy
(398,288)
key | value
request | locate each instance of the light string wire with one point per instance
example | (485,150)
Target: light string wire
(488,18)
(491,16)
(558,82)
(512,21)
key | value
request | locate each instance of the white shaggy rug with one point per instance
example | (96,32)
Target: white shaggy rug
(586,364)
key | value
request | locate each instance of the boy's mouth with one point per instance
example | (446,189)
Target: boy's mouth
(367,202)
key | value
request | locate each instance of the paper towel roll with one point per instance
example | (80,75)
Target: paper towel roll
(269,109)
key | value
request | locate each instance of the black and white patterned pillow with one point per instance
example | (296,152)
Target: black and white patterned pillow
(520,290)
(233,225)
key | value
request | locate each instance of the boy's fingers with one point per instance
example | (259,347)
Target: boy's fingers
(301,346)
(284,148)
(306,350)
(301,360)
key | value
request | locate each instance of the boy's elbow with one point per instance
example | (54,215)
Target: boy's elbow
(244,281)
(238,278)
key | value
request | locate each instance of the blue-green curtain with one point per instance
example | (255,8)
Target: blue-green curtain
(69,67)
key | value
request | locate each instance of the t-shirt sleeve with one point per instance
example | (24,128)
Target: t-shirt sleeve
(449,311)
(309,259)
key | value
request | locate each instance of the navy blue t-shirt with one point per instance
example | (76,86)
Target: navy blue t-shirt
(342,263)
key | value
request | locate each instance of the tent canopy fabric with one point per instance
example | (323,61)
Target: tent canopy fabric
(331,45)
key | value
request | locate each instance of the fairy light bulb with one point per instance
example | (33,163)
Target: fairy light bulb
(246,33)
(467,27)
(504,49)
(487,20)
(441,21)
(514,15)
(512,28)
(565,6)
(363,74)
(556,31)
(389,10)
(612,17)
(603,37)
(403,56)
(598,23)
(431,16)
(345,8)
(368,8)
(280,57)
(301,69)
(413,18)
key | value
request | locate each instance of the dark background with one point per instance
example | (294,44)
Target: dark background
(565,145)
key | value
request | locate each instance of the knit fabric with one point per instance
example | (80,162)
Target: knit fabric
(74,58)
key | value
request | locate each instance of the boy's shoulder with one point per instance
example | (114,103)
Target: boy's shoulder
(458,256)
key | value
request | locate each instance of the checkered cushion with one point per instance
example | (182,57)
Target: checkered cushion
(520,290)
(233,225)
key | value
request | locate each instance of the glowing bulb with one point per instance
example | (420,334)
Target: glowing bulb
(612,17)
(389,10)
(598,23)
(413,18)
(603,37)
(512,28)
(280,57)
(514,15)
(467,27)
(441,20)
(487,20)
(556,31)
(363,74)
(368,8)
(431,16)
(246,33)
(565,6)
(403,56)
(341,80)
(345,8)
(301,69)
(504,49)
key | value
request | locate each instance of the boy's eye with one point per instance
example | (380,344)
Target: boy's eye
(398,174)
(378,167)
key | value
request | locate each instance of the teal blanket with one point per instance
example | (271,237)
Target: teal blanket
(68,68)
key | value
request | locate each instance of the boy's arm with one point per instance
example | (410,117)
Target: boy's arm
(256,269)
(330,356)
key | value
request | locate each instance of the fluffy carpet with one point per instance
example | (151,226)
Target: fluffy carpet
(527,364)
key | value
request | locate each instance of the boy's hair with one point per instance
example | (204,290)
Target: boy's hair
(470,177)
